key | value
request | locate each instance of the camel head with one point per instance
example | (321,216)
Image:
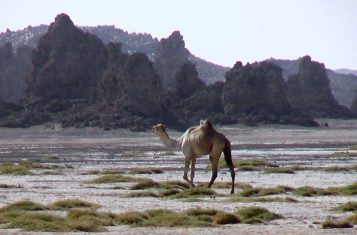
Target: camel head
(159,128)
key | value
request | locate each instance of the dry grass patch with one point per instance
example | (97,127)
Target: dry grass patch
(24,168)
(262,199)
(194,193)
(343,154)
(24,206)
(308,191)
(340,168)
(195,217)
(10,186)
(142,194)
(258,192)
(72,203)
(145,184)
(256,214)
(349,206)
(107,179)
(328,224)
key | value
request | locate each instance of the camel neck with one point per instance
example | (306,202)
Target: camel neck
(167,141)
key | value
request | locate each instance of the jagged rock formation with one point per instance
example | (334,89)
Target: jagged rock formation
(186,81)
(343,86)
(66,66)
(255,93)
(14,67)
(309,91)
(170,56)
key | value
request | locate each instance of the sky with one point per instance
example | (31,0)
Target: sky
(220,31)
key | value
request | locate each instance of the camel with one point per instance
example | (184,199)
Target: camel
(196,142)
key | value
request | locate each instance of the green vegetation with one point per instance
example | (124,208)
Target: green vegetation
(349,206)
(255,214)
(143,194)
(144,184)
(23,206)
(22,215)
(312,191)
(14,169)
(194,193)
(195,217)
(336,224)
(341,168)
(107,179)
(257,192)
(28,215)
(226,218)
(24,168)
(343,154)
(72,203)
(261,199)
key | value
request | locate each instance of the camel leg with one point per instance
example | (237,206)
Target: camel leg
(187,165)
(215,160)
(193,164)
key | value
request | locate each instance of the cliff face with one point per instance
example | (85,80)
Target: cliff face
(255,90)
(14,67)
(169,57)
(309,91)
(66,65)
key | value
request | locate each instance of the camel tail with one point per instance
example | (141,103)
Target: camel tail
(228,158)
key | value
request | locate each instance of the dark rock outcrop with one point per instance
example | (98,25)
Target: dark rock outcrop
(256,93)
(169,57)
(186,81)
(309,91)
(14,66)
(66,66)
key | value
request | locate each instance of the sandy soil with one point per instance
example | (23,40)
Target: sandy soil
(88,149)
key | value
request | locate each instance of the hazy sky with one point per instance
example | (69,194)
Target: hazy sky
(221,31)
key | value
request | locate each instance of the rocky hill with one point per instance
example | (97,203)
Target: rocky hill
(309,91)
(131,42)
(343,83)
(14,67)
(75,78)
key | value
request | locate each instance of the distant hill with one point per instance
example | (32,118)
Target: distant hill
(131,42)
(346,71)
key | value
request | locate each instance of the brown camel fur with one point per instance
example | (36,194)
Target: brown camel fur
(196,142)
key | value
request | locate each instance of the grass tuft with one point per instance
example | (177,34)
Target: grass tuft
(349,206)
(131,218)
(194,193)
(336,224)
(145,184)
(142,194)
(107,179)
(262,199)
(72,203)
(24,206)
(225,218)
(256,214)
(257,192)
